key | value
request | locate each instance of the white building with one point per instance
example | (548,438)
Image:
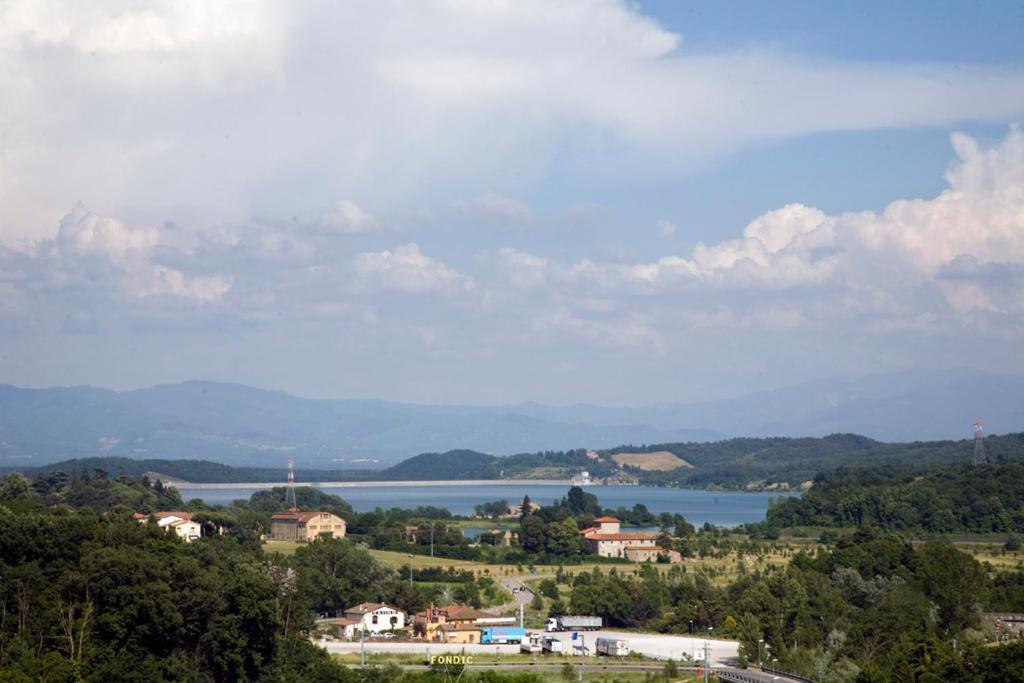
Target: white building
(179,522)
(375,617)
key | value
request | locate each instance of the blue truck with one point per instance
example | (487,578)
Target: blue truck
(502,635)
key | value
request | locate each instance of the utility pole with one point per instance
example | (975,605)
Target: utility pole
(432,539)
(760,646)
(980,457)
(290,495)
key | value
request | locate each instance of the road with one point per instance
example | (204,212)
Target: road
(522,597)
(721,652)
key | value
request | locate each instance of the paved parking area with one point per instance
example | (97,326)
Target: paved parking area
(722,652)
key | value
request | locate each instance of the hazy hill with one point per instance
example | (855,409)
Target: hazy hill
(241,425)
(903,406)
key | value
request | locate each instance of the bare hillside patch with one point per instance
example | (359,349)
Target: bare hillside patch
(659,460)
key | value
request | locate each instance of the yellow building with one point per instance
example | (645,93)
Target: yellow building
(608,540)
(459,634)
(305,526)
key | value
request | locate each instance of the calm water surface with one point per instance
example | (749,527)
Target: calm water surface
(719,508)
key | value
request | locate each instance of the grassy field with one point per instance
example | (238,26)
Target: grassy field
(283,547)
(721,570)
(659,460)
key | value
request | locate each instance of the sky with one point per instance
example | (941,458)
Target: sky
(491,202)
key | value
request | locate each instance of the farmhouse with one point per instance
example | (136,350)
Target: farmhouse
(608,540)
(305,526)
(177,521)
(375,617)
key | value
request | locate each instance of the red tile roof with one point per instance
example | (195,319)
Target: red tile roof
(636,536)
(606,519)
(173,513)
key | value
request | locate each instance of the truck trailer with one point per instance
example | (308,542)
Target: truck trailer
(502,635)
(612,647)
(573,623)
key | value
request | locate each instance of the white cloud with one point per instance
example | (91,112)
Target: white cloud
(959,246)
(348,218)
(521,269)
(92,251)
(210,112)
(82,231)
(666,228)
(407,269)
(495,208)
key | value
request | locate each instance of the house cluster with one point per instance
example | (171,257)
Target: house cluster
(177,521)
(608,540)
(455,624)
(451,624)
(305,526)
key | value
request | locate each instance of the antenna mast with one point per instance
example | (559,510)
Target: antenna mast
(290,497)
(980,458)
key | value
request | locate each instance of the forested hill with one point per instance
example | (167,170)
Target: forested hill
(462,464)
(938,499)
(735,463)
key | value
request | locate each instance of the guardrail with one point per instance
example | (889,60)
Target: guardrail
(786,674)
(736,677)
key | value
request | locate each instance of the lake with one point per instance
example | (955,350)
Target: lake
(718,508)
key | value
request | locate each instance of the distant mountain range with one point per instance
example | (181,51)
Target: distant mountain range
(240,425)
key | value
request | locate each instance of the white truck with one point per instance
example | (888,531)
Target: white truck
(569,623)
(552,644)
(612,647)
(531,644)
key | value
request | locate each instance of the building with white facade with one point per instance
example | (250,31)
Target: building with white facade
(375,617)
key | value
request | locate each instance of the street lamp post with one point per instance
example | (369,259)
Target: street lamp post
(410,571)
(760,647)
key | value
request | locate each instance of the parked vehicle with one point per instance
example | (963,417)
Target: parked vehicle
(571,623)
(551,644)
(502,635)
(612,647)
(531,644)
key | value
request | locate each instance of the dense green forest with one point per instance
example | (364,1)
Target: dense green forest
(872,609)
(937,499)
(91,594)
(97,596)
(734,463)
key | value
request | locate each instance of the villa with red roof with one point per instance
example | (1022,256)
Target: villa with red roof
(608,540)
